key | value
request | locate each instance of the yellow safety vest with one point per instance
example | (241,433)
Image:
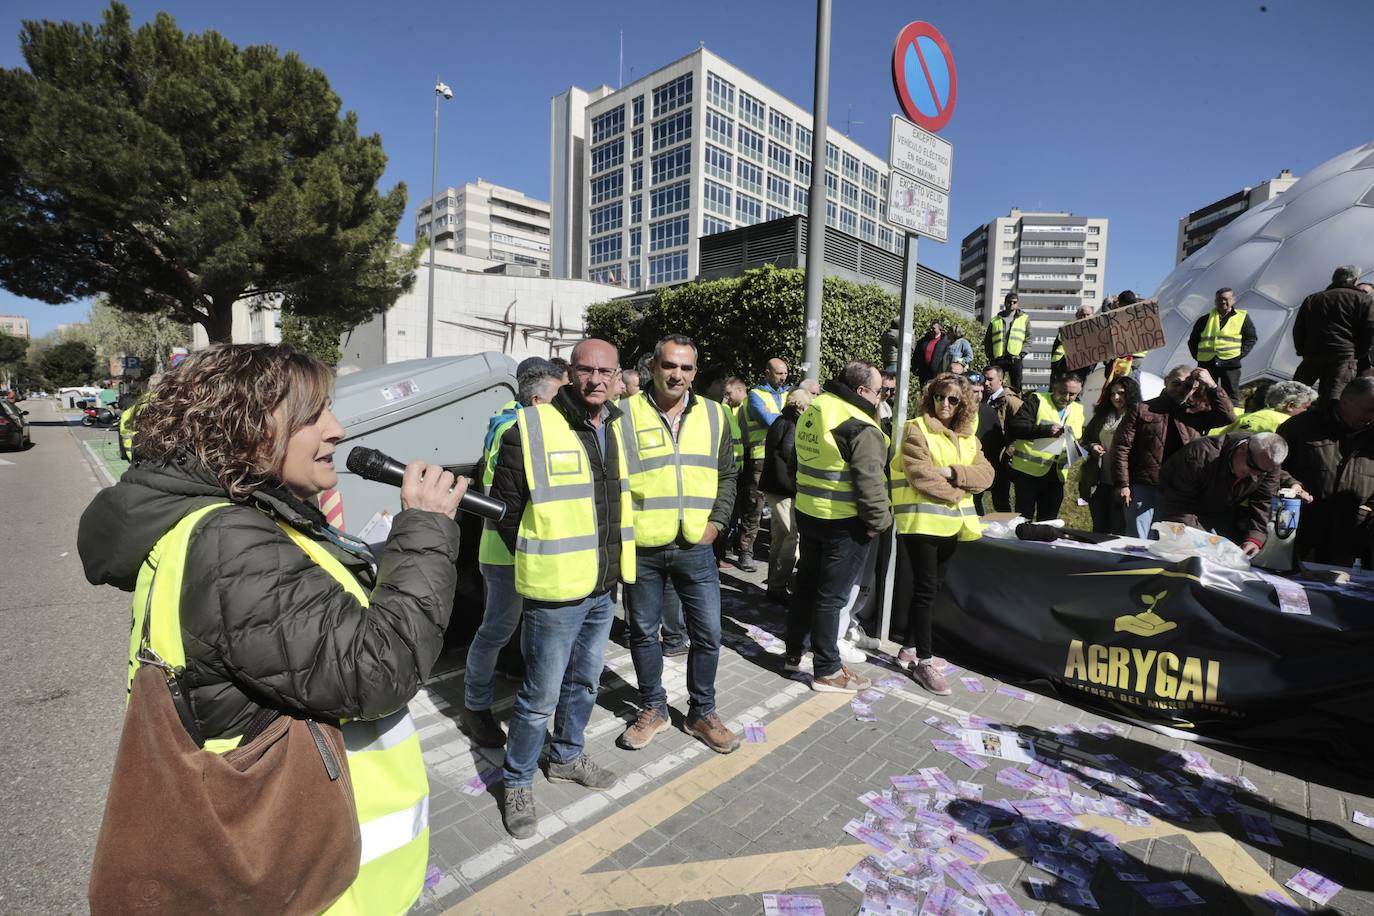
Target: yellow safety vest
(557,547)
(732,416)
(1027,459)
(825,487)
(126,422)
(491,549)
(917,513)
(672,482)
(1218,342)
(758,426)
(1267,420)
(1057,354)
(390,787)
(1015,342)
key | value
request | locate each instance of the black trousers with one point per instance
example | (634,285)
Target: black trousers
(1011,366)
(929,557)
(1038,498)
(1227,378)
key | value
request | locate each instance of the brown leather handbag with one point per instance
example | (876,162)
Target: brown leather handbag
(268,827)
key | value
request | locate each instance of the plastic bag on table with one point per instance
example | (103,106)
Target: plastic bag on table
(1179,542)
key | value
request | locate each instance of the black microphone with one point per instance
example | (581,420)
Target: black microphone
(370,464)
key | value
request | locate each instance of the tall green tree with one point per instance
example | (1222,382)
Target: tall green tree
(178,174)
(149,337)
(12,350)
(69,363)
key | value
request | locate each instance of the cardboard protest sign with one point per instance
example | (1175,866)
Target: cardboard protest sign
(1120,332)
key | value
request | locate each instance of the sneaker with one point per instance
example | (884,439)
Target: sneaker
(675,651)
(925,674)
(712,733)
(583,772)
(908,657)
(649,723)
(794,663)
(861,639)
(849,654)
(746,563)
(480,725)
(842,681)
(517,812)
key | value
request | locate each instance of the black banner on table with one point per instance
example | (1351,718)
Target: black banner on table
(1177,644)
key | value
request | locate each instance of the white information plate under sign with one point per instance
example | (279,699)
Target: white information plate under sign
(920,153)
(917,207)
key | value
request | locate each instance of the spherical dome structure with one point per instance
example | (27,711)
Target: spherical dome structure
(1274,256)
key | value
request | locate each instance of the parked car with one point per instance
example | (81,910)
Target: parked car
(14,429)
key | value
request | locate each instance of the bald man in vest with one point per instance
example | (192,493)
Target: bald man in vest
(1222,339)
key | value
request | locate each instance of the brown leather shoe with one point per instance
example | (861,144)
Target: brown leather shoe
(649,723)
(710,731)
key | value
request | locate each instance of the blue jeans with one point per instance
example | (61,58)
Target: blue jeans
(832,557)
(692,571)
(1140,511)
(674,627)
(500,617)
(563,645)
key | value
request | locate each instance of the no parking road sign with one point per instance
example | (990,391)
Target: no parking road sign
(923,75)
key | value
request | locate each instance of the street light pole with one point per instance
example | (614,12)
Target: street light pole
(441,90)
(815,211)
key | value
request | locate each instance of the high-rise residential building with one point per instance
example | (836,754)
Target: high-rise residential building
(1197,228)
(695,148)
(14,325)
(1054,262)
(484,220)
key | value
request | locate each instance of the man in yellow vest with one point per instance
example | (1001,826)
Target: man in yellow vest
(1040,453)
(538,383)
(764,403)
(569,525)
(680,456)
(130,414)
(1221,339)
(841,505)
(1005,340)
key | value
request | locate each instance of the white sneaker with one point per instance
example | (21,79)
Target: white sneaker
(849,653)
(861,639)
(791,665)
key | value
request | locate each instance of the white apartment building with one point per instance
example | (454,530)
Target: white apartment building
(484,220)
(1197,228)
(1053,261)
(695,148)
(14,325)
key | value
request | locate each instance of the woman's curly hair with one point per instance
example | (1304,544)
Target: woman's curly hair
(962,421)
(235,407)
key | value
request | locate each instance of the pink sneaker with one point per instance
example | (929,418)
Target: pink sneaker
(907,657)
(925,674)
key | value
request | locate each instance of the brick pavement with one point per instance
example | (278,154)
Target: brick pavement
(687,831)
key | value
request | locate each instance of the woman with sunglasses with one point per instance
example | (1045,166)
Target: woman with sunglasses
(934,476)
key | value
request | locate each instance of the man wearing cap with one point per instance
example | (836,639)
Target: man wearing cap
(1005,340)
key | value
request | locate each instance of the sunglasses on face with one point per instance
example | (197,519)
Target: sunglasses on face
(947,399)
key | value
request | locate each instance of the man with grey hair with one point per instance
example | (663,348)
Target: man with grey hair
(1283,401)
(1333,334)
(1224,484)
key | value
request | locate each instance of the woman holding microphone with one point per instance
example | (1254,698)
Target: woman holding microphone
(276,609)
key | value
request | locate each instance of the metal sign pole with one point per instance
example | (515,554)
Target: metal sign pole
(815,211)
(904,344)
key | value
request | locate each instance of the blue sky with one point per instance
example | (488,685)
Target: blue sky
(1137,112)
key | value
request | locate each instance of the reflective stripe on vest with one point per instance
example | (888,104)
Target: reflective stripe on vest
(916,513)
(732,416)
(557,547)
(491,549)
(1029,460)
(1016,340)
(390,788)
(755,428)
(825,488)
(672,483)
(1218,342)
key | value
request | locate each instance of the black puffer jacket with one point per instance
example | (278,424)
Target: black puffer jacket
(779,475)
(262,624)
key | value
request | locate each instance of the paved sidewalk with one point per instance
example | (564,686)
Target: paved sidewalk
(688,831)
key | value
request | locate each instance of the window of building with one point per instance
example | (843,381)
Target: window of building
(1094,230)
(720,93)
(1008,230)
(750,110)
(719,163)
(803,172)
(673,94)
(779,158)
(667,268)
(804,139)
(606,249)
(899,243)
(1006,278)
(750,144)
(606,218)
(832,214)
(779,191)
(1094,246)
(670,199)
(720,128)
(1090,278)
(868,230)
(885,237)
(610,276)
(750,177)
(636,210)
(637,176)
(635,235)
(710,225)
(607,186)
(869,204)
(849,221)
(668,234)
(1008,262)
(639,110)
(673,129)
(832,185)
(832,156)
(637,143)
(605,126)
(1092,262)
(801,195)
(851,167)
(636,281)
(1089,294)
(780,127)
(670,165)
(608,155)
(870,178)
(849,194)
(748,210)
(716,198)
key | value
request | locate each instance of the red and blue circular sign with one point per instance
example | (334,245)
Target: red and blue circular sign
(923,75)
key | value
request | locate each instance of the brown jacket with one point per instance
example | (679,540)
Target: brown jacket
(995,442)
(924,476)
(1138,452)
(1198,488)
